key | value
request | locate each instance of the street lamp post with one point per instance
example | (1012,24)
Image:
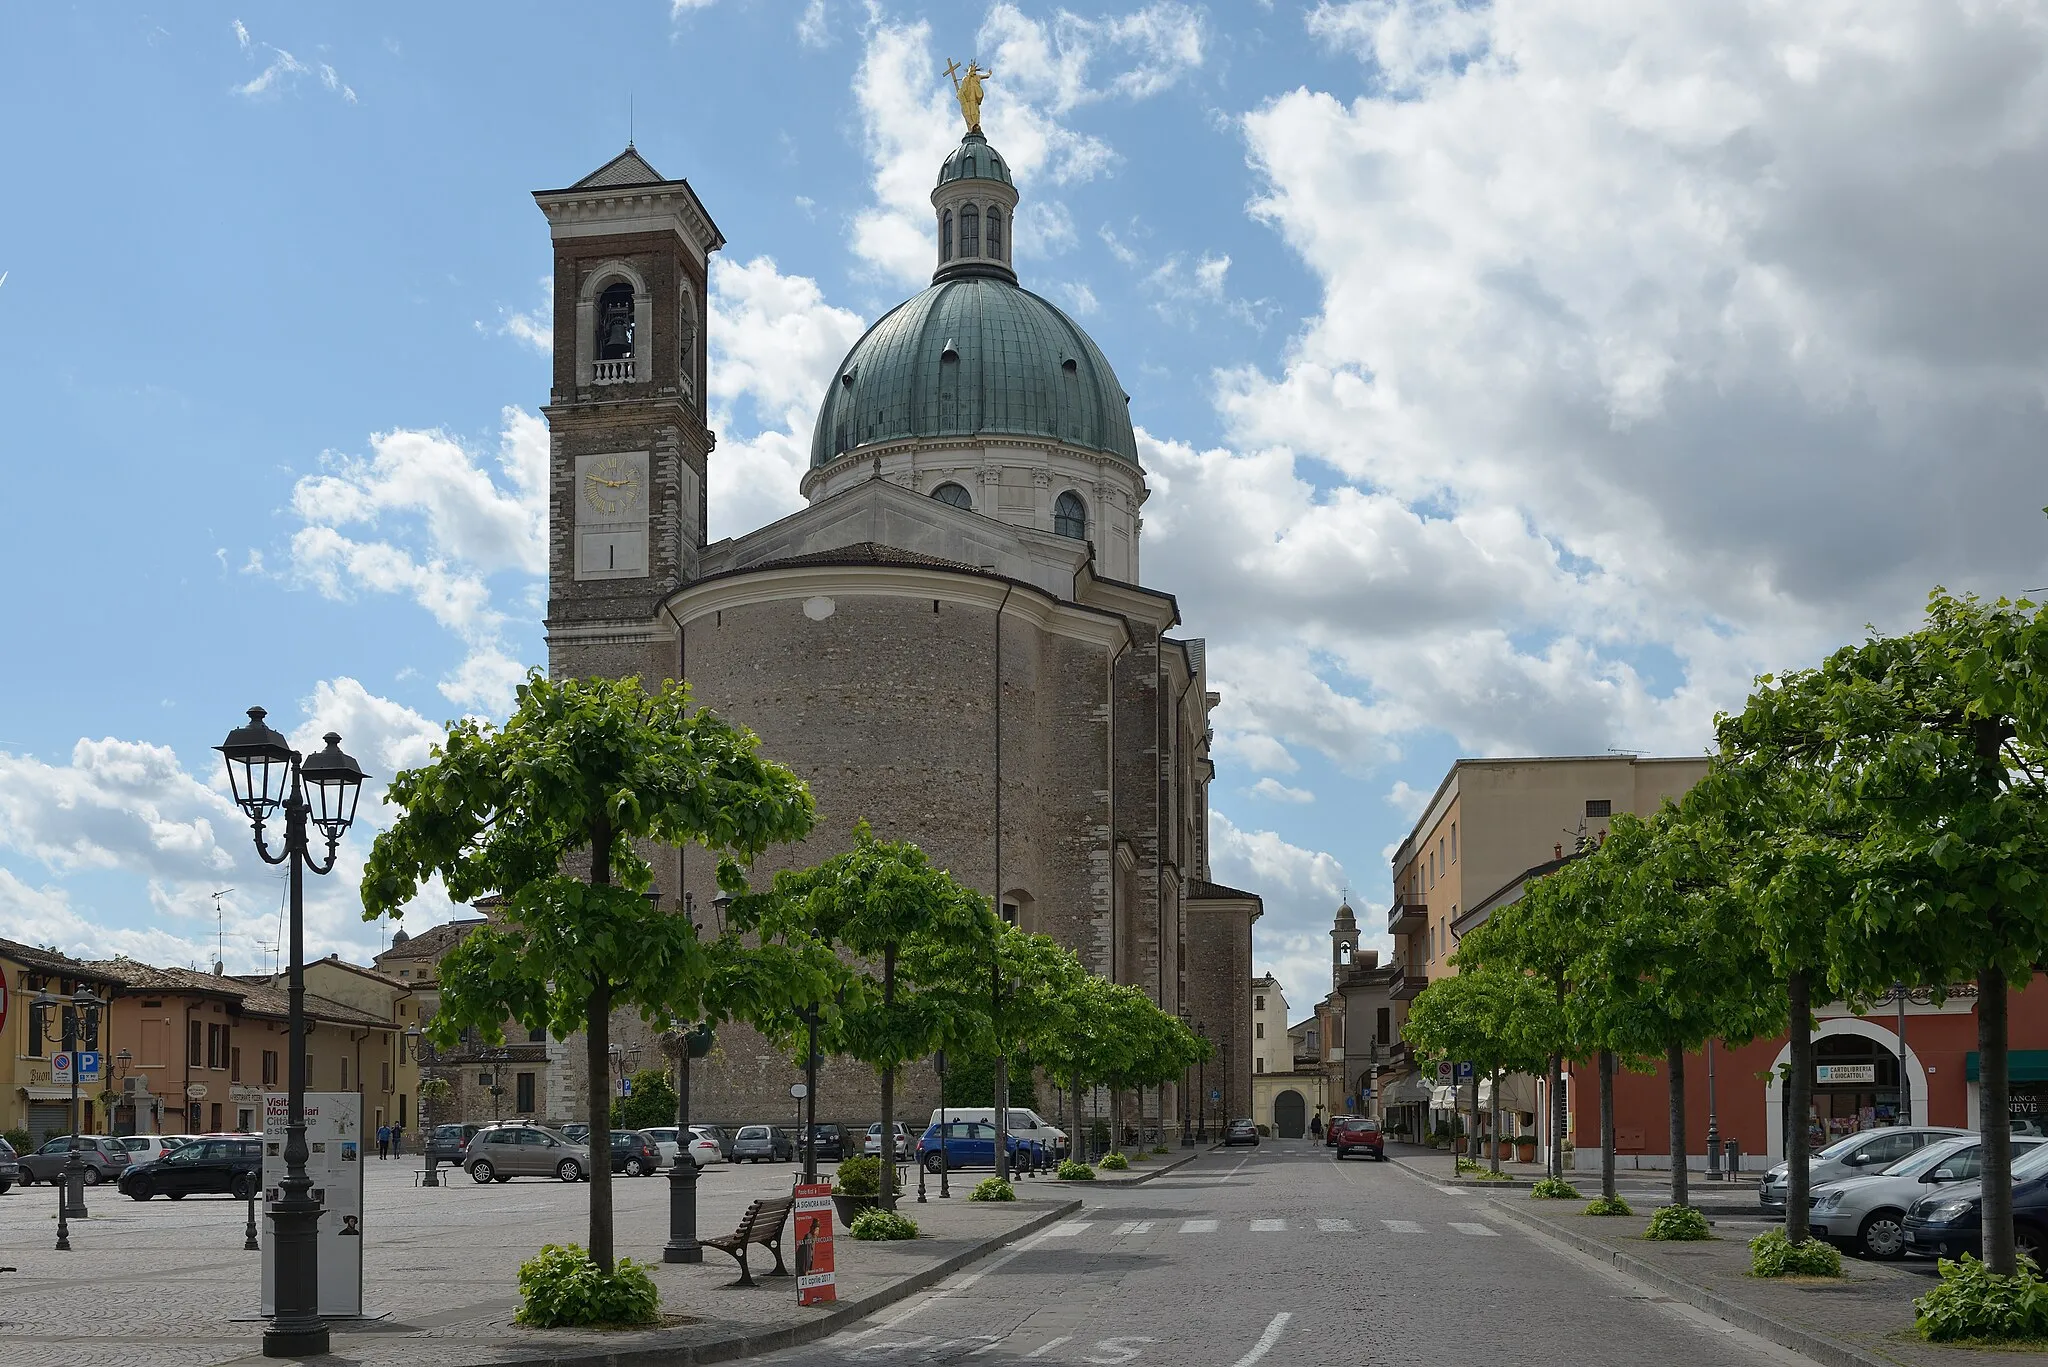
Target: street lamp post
(1202,1086)
(81,1017)
(1187,1128)
(810,1099)
(267,776)
(420,1046)
(1713,1123)
(688,1042)
(945,1159)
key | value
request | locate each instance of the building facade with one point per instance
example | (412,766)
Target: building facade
(951,641)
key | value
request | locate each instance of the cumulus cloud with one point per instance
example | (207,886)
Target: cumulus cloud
(283,71)
(1300,889)
(1273,790)
(1050,61)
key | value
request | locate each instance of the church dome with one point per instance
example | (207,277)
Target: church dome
(974,159)
(975,355)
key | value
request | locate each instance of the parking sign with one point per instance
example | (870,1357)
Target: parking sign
(88,1065)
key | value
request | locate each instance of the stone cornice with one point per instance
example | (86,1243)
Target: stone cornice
(587,211)
(978,443)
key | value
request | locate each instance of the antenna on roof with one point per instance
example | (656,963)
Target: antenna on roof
(220,937)
(629,119)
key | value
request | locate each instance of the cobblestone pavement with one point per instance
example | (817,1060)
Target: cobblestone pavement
(1282,1255)
(162,1284)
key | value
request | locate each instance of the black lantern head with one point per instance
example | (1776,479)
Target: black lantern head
(259,766)
(337,782)
(84,1000)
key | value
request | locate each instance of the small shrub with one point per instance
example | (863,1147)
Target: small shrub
(1609,1205)
(993,1189)
(1771,1254)
(1468,1167)
(1071,1171)
(19,1140)
(1115,1162)
(860,1175)
(875,1225)
(1973,1303)
(1489,1175)
(561,1286)
(1678,1224)
(1554,1189)
(1161,1148)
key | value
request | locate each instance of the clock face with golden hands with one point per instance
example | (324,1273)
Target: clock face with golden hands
(611,485)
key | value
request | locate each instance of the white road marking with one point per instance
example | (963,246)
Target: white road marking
(1460,1191)
(1116,1351)
(1334,1226)
(1266,1340)
(1042,1349)
(959,1284)
(1198,1226)
(1132,1227)
(1402,1226)
(1464,1228)
(1070,1227)
(1269,1226)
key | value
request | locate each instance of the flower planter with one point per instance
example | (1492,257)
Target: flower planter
(1525,1153)
(849,1207)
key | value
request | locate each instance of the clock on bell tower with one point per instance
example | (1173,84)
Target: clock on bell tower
(628,441)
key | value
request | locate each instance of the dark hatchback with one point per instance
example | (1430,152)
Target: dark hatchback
(1948,1223)
(830,1141)
(446,1143)
(634,1154)
(221,1167)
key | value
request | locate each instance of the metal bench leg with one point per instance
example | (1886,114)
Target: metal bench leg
(746,1274)
(776,1249)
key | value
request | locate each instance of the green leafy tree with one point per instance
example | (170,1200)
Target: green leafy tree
(1500,1020)
(873,900)
(549,813)
(651,1103)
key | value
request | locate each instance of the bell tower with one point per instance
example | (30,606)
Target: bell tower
(628,441)
(1343,944)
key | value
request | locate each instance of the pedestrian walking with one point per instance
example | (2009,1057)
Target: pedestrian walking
(1315,1126)
(398,1141)
(383,1141)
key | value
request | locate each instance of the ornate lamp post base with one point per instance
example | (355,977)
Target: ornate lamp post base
(682,1245)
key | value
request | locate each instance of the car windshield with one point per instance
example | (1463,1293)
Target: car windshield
(1841,1148)
(2033,1164)
(1921,1159)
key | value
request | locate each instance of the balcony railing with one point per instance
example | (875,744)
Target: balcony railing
(613,372)
(1408,986)
(1407,918)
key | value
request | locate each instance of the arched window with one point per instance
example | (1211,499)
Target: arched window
(995,234)
(946,236)
(970,232)
(952,493)
(615,322)
(1070,516)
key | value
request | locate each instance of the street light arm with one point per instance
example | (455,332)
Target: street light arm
(333,855)
(263,846)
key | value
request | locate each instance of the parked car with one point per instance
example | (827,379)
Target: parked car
(147,1148)
(1023,1122)
(224,1167)
(576,1133)
(968,1144)
(502,1152)
(1866,1215)
(873,1142)
(720,1135)
(1948,1223)
(1867,1151)
(446,1143)
(1359,1134)
(102,1155)
(1241,1132)
(635,1153)
(10,1167)
(762,1144)
(828,1140)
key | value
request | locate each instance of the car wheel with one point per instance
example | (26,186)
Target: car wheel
(569,1170)
(633,1169)
(93,1177)
(2029,1243)
(1882,1236)
(934,1164)
(481,1172)
(141,1191)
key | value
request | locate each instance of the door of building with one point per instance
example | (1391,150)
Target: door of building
(1855,1088)
(1290,1115)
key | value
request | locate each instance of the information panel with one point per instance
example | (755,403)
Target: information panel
(334,1132)
(816,1282)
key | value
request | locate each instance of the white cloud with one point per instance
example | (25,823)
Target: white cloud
(1300,889)
(1407,800)
(283,70)
(811,28)
(535,327)
(678,8)
(1049,62)
(1274,790)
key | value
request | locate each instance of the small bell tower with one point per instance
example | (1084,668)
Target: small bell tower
(629,446)
(1343,944)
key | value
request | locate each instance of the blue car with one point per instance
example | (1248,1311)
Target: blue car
(971,1144)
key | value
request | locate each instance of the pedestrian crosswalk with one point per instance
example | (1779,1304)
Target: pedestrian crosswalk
(1127,1229)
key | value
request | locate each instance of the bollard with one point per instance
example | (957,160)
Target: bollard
(1713,1160)
(250,1244)
(1733,1150)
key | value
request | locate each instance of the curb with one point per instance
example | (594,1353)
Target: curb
(789,1336)
(1819,1347)
(1141,1178)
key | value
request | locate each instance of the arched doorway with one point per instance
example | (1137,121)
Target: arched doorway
(1840,1100)
(1290,1115)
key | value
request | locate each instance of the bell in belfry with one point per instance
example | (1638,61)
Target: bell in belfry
(617,330)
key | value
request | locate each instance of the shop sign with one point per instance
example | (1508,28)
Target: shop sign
(1825,1073)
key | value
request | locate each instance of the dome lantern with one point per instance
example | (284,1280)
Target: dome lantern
(975,213)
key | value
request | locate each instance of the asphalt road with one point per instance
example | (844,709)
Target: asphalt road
(1283,1255)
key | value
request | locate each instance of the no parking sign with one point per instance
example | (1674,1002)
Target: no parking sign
(60,1069)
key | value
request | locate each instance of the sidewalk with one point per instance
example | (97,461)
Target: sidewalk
(170,1286)
(1734,1196)
(1863,1320)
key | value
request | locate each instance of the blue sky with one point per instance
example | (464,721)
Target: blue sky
(1514,379)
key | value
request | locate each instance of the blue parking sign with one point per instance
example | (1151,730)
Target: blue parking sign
(88,1065)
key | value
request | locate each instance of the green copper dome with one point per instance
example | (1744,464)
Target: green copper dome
(974,159)
(974,356)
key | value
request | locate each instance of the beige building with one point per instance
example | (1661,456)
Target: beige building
(1270,1051)
(32,1099)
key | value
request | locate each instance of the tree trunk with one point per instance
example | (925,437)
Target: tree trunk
(1994,1121)
(1674,1064)
(1002,1100)
(1554,1122)
(1076,1143)
(1798,1098)
(1607,1125)
(597,1049)
(888,1188)
(1472,1128)
(1493,1127)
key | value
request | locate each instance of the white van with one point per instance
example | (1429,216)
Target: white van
(1024,1124)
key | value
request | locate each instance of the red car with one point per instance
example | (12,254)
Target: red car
(1354,1134)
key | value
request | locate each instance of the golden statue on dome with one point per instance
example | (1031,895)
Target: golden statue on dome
(967,90)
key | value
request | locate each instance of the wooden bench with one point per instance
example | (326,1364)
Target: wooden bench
(762,1224)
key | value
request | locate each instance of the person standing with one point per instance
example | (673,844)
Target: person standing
(383,1141)
(1315,1128)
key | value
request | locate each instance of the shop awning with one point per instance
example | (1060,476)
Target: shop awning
(1409,1091)
(2024,1065)
(1444,1099)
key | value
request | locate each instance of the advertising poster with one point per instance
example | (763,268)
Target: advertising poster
(815,1282)
(334,1133)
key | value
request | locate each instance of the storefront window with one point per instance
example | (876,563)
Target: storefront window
(1855,1088)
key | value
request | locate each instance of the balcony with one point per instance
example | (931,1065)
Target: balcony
(1408,987)
(1407,918)
(613,372)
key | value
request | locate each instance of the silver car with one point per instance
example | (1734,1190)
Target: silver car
(102,1155)
(1855,1155)
(1866,1214)
(499,1153)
